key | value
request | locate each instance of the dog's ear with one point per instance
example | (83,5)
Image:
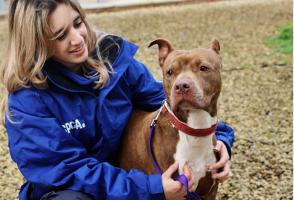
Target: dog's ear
(164,49)
(214,45)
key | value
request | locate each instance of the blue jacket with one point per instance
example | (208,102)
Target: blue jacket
(66,136)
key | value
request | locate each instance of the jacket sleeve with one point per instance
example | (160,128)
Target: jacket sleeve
(49,157)
(147,93)
(226,134)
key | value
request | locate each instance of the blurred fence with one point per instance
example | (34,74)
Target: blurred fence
(89,3)
(4,3)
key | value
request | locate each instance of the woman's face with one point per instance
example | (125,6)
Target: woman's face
(70,46)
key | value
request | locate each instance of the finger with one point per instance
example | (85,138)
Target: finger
(224,158)
(213,172)
(178,188)
(220,164)
(218,146)
(183,191)
(191,186)
(224,175)
(171,169)
(187,172)
(223,178)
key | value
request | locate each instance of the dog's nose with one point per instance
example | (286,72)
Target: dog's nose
(182,87)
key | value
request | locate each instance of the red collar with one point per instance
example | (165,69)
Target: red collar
(184,127)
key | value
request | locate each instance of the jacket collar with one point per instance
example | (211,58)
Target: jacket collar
(63,78)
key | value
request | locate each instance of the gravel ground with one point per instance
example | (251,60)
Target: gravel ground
(257,85)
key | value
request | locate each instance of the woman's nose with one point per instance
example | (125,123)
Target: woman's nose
(76,37)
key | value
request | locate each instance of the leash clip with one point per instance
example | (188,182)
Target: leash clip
(154,121)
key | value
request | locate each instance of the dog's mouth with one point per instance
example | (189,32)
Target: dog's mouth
(186,102)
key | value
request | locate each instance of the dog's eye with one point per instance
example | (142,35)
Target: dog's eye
(170,72)
(203,68)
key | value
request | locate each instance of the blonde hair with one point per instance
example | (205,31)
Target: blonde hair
(29,46)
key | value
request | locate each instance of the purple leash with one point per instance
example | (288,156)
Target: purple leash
(190,195)
(182,178)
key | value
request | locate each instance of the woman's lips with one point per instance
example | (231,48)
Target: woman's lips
(79,51)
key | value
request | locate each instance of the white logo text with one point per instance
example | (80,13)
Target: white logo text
(75,124)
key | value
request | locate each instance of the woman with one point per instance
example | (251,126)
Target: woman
(67,101)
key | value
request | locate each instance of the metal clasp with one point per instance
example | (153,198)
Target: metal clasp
(154,121)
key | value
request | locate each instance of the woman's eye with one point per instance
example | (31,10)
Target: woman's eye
(78,23)
(169,72)
(203,68)
(61,37)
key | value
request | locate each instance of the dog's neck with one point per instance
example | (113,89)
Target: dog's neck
(200,119)
(197,152)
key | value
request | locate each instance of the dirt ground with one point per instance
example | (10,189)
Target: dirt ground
(257,85)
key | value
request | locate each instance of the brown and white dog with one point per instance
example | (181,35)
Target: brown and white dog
(192,84)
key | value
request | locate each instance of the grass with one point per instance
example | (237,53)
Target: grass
(283,41)
(256,97)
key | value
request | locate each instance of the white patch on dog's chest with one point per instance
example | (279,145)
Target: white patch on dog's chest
(196,151)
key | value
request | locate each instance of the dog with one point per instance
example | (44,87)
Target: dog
(184,126)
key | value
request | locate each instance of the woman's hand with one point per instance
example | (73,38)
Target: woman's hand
(221,169)
(174,190)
